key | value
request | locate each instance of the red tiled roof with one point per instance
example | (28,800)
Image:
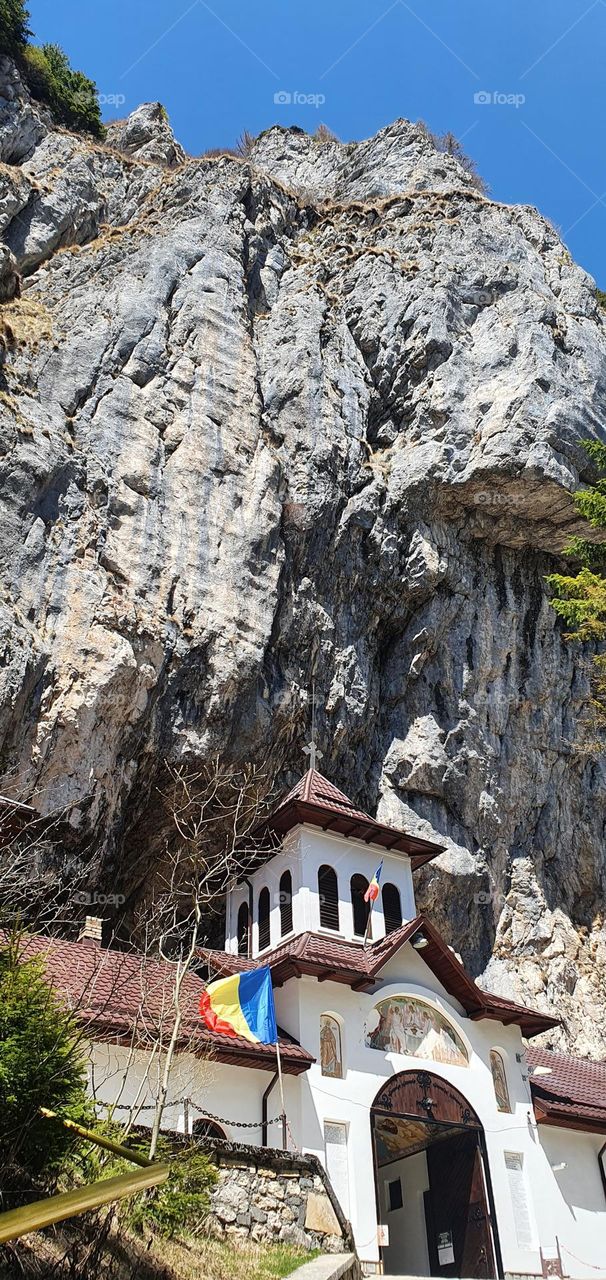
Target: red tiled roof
(339,960)
(124,994)
(315,800)
(318,954)
(573,1095)
(313,788)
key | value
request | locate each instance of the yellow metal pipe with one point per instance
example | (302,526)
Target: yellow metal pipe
(42,1213)
(98,1138)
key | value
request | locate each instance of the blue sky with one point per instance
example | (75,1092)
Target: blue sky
(218,65)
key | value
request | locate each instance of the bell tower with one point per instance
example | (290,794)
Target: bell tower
(327,853)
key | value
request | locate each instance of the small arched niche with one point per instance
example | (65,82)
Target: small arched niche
(204,1128)
(411,1026)
(331,1046)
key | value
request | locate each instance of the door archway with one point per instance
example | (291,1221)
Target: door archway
(432,1180)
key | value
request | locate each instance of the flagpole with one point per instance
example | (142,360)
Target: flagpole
(370,897)
(279,1062)
(368,932)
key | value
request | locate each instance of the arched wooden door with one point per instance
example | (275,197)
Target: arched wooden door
(419,1112)
(426,1096)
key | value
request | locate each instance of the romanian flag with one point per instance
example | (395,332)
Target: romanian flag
(242,1005)
(372,891)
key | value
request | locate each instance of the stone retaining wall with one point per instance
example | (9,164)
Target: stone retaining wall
(270,1195)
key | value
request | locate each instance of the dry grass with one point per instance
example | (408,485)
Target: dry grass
(64,1252)
(25,321)
(208,1259)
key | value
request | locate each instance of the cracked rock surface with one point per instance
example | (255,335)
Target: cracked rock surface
(316,411)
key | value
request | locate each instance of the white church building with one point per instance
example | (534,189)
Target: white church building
(454,1147)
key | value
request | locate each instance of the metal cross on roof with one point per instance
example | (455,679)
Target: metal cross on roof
(313,752)
(311,749)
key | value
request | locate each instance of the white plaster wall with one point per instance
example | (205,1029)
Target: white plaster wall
(349,858)
(349,1101)
(129,1080)
(407,1249)
(268,876)
(571,1202)
(304,851)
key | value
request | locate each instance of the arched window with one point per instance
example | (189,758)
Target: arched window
(285,903)
(264,937)
(331,1056)
(328,892)
(207,1129)
(361,909)
(499,1080)
(392,907)
(243,927)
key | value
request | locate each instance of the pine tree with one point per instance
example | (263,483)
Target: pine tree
(71,96)
(41,1064)
(14,26)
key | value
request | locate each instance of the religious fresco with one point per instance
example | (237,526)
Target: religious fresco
(404,1024)
(403,1136)
(499,1080)
(331,1061)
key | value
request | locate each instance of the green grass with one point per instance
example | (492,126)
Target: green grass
(280,1260)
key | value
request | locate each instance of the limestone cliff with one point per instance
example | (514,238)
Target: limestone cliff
(318,410)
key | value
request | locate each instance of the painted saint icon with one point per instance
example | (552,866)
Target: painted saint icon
(406,1025)
(330,1047)
(499,1080)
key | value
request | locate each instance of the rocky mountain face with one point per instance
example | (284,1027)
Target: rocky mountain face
(318,413)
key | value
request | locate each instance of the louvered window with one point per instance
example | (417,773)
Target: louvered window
(263,919)
(243,926)
(285,903)
(392,907)
(361,909)
(328,892)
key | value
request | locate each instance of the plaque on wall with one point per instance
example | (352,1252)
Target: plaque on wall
(445,1248)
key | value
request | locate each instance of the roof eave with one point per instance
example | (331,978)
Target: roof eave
(547,1114)
(299,812)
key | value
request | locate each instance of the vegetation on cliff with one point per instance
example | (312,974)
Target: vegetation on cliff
(71,96)
(580,598)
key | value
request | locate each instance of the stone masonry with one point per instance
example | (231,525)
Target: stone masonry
(276,1196)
